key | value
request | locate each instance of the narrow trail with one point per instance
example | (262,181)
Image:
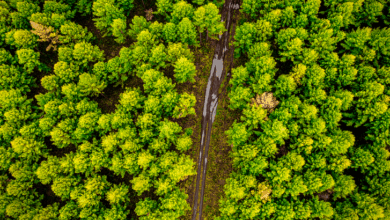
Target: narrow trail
(217,74)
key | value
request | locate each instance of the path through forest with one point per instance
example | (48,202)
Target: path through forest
(217,74)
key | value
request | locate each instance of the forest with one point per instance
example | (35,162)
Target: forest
(101,104)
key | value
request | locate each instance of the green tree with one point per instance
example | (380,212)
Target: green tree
(285,85)
(155,83)
(73,33)
(344,186)
(184,143)
(117,194)
(105,12)
(186,32)
(170,32)
(239,97)
(168,130)
(139,23)
(321,209)
(156,28)
(178,50)
(83,53)
(141,184)
(90,85)
(184,70)
(22,39)
(244,38)
(20,19)
(51,7)
(145,206)
(181,10)
(158,57)
(238,134)
(29,58)
(185,106)
(208,17)
(240,77)
(119,30)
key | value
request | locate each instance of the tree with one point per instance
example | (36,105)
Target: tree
(163,7)
(66,72)
(169,101)
(84,52)
(139,24)
(185,106)
(186,32)
(62,186)
(141,184)
(264,30)
(22,39)
(29,58)
(184,70)
(168,130)
(341,141)
(238,134)
(181,169)
(284,210)
(48,170)
(276,130)
(285,85)
(68,211)
(339,163)
(344,186)
(145,206)
(90,85)
(54,7)
(321,209)
(296,186)
(244,38)
(240,77)
(153,105)
(234,189)
(158,57)
(253,116)
(24,11)
(105,12)
(367,206)
(126,5)
(288,16)
(146,39)
(155,83)
(180,11)
(119,30)
(117,194)
(184,143)
(379,43)
(178,50)
(170,32)
(45,34)
(239,97)
(208,17)
(258,50)
(156,28)
(163,186)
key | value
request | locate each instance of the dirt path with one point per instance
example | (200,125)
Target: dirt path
(217,74)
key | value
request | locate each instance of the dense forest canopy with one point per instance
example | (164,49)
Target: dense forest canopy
(92,108)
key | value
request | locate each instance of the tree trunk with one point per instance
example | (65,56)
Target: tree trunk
(207,36)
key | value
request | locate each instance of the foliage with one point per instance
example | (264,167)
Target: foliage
(118,30)
(186,32)
(181,10)
(106,12)
(184,70)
